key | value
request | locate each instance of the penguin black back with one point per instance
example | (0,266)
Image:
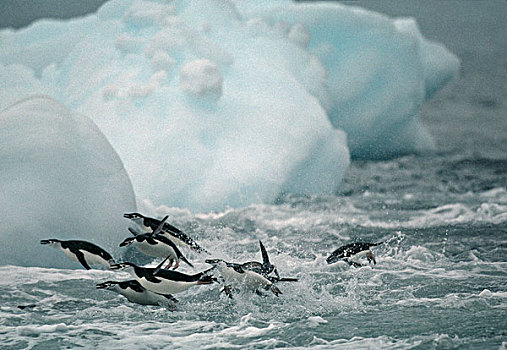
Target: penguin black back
(349,250)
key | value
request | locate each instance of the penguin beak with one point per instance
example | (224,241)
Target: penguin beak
(45,241)
(115,266)
(104,285)
(212,261)
(332,259)
(126,242)
(130,215)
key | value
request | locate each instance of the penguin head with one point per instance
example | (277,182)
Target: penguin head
(110,285)
(124,266)
(133,216)
(215,262)
(51,242)
(334,258)
(128,241)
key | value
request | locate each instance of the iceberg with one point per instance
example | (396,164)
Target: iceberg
(380,71)
(60,179)
(214,104)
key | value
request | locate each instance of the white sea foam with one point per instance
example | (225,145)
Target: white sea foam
(38,330)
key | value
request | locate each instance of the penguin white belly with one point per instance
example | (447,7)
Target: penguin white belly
(69,254)
(158,250)
(360,255)
(254,280)
(93,259)
(248,279)
(144,298)
(166,286)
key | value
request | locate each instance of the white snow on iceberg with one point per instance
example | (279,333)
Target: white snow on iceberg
(226,103)
(380,71)
(60,179)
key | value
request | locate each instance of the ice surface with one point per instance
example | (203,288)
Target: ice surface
(380,71)
(60,179)
(218,103)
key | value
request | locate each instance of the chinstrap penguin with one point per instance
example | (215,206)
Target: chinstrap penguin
(163,281)
(157,246)
(85,253)
(266,268)
(240,275)
(352,251)
(135,293)
(252,275)
(173,233)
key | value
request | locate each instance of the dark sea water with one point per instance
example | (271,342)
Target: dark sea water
(440,281)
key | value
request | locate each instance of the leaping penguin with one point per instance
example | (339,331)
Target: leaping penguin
(156,245)
(354,251)
(85,253)
(252,274)
(163,281)
(242,275)
(265,268)
(171,232)
(135,293)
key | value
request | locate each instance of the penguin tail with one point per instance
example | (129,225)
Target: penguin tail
(206,280)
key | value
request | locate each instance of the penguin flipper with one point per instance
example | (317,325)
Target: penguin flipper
(152,279)
(134,232)
(159,266)
(158,229)
(265,257)
(283,279)
(82,260)
(186,261)
(179,254)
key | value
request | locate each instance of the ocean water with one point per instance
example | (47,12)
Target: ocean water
(440,281)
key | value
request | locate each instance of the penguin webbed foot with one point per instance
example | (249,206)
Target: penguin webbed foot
(227,290)
(371,258)
(169,265)
(275,290)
